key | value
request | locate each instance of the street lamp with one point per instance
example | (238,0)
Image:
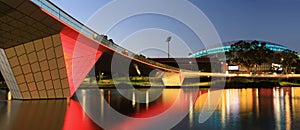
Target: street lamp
(168,41)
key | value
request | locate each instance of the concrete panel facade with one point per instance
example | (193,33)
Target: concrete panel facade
(31,70)
(8,74)
(172,79)
(50,67)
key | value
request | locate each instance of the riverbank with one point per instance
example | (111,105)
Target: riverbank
(203,83)
(240,83)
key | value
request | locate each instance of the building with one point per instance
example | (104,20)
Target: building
(225,47)
(220,49)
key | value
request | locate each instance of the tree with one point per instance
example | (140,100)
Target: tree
(286,58)
(261,54)
(249,54)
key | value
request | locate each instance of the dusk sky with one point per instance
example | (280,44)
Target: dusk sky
(268,20)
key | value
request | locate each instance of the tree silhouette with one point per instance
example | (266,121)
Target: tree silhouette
(287,58)
(249,54)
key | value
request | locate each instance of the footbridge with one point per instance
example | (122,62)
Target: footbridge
(45,53)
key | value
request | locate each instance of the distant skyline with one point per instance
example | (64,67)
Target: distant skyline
(276,21)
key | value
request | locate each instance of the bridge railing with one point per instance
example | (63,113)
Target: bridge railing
(60,14)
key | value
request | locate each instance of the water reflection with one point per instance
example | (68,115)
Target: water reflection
(173,103)
(287,112)
(257,108)
(253,109)
(41,114)
(77,119)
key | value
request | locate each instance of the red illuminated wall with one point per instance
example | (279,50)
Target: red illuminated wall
(80,53)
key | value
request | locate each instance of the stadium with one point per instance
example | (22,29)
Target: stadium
(217,50)
(225,47)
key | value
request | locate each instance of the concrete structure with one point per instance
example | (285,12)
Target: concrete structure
(203,64)
(225,47)
(214,52)
(45,53)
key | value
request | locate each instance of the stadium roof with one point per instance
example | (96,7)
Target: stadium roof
(224,47)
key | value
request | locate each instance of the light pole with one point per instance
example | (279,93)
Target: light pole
(168,41)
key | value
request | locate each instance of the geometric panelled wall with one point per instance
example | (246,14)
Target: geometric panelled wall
(51,67)
(36,70)
(8,75)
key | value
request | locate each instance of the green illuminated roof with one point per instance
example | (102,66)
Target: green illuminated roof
(225,47)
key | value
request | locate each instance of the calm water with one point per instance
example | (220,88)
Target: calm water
(274,108)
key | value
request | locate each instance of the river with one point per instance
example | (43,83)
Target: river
(92,109)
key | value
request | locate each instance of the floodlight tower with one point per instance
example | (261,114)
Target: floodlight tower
(168,41)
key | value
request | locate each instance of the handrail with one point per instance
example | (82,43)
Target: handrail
(60,14)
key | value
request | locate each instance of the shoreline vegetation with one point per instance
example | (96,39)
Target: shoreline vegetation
(238,82)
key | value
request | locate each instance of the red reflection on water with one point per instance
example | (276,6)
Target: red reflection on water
(170,99)
(176,104)
(158,108)
(154,110)
(77,119)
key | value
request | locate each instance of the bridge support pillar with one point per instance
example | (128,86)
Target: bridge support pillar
(35,70)
(50,67)
(172,79)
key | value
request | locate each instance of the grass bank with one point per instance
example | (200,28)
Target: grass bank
(238,82)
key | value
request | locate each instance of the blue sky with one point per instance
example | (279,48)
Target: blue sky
(268,20)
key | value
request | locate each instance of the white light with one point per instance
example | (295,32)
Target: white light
(233,67)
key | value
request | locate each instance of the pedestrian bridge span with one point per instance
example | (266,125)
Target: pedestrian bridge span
(46,53)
